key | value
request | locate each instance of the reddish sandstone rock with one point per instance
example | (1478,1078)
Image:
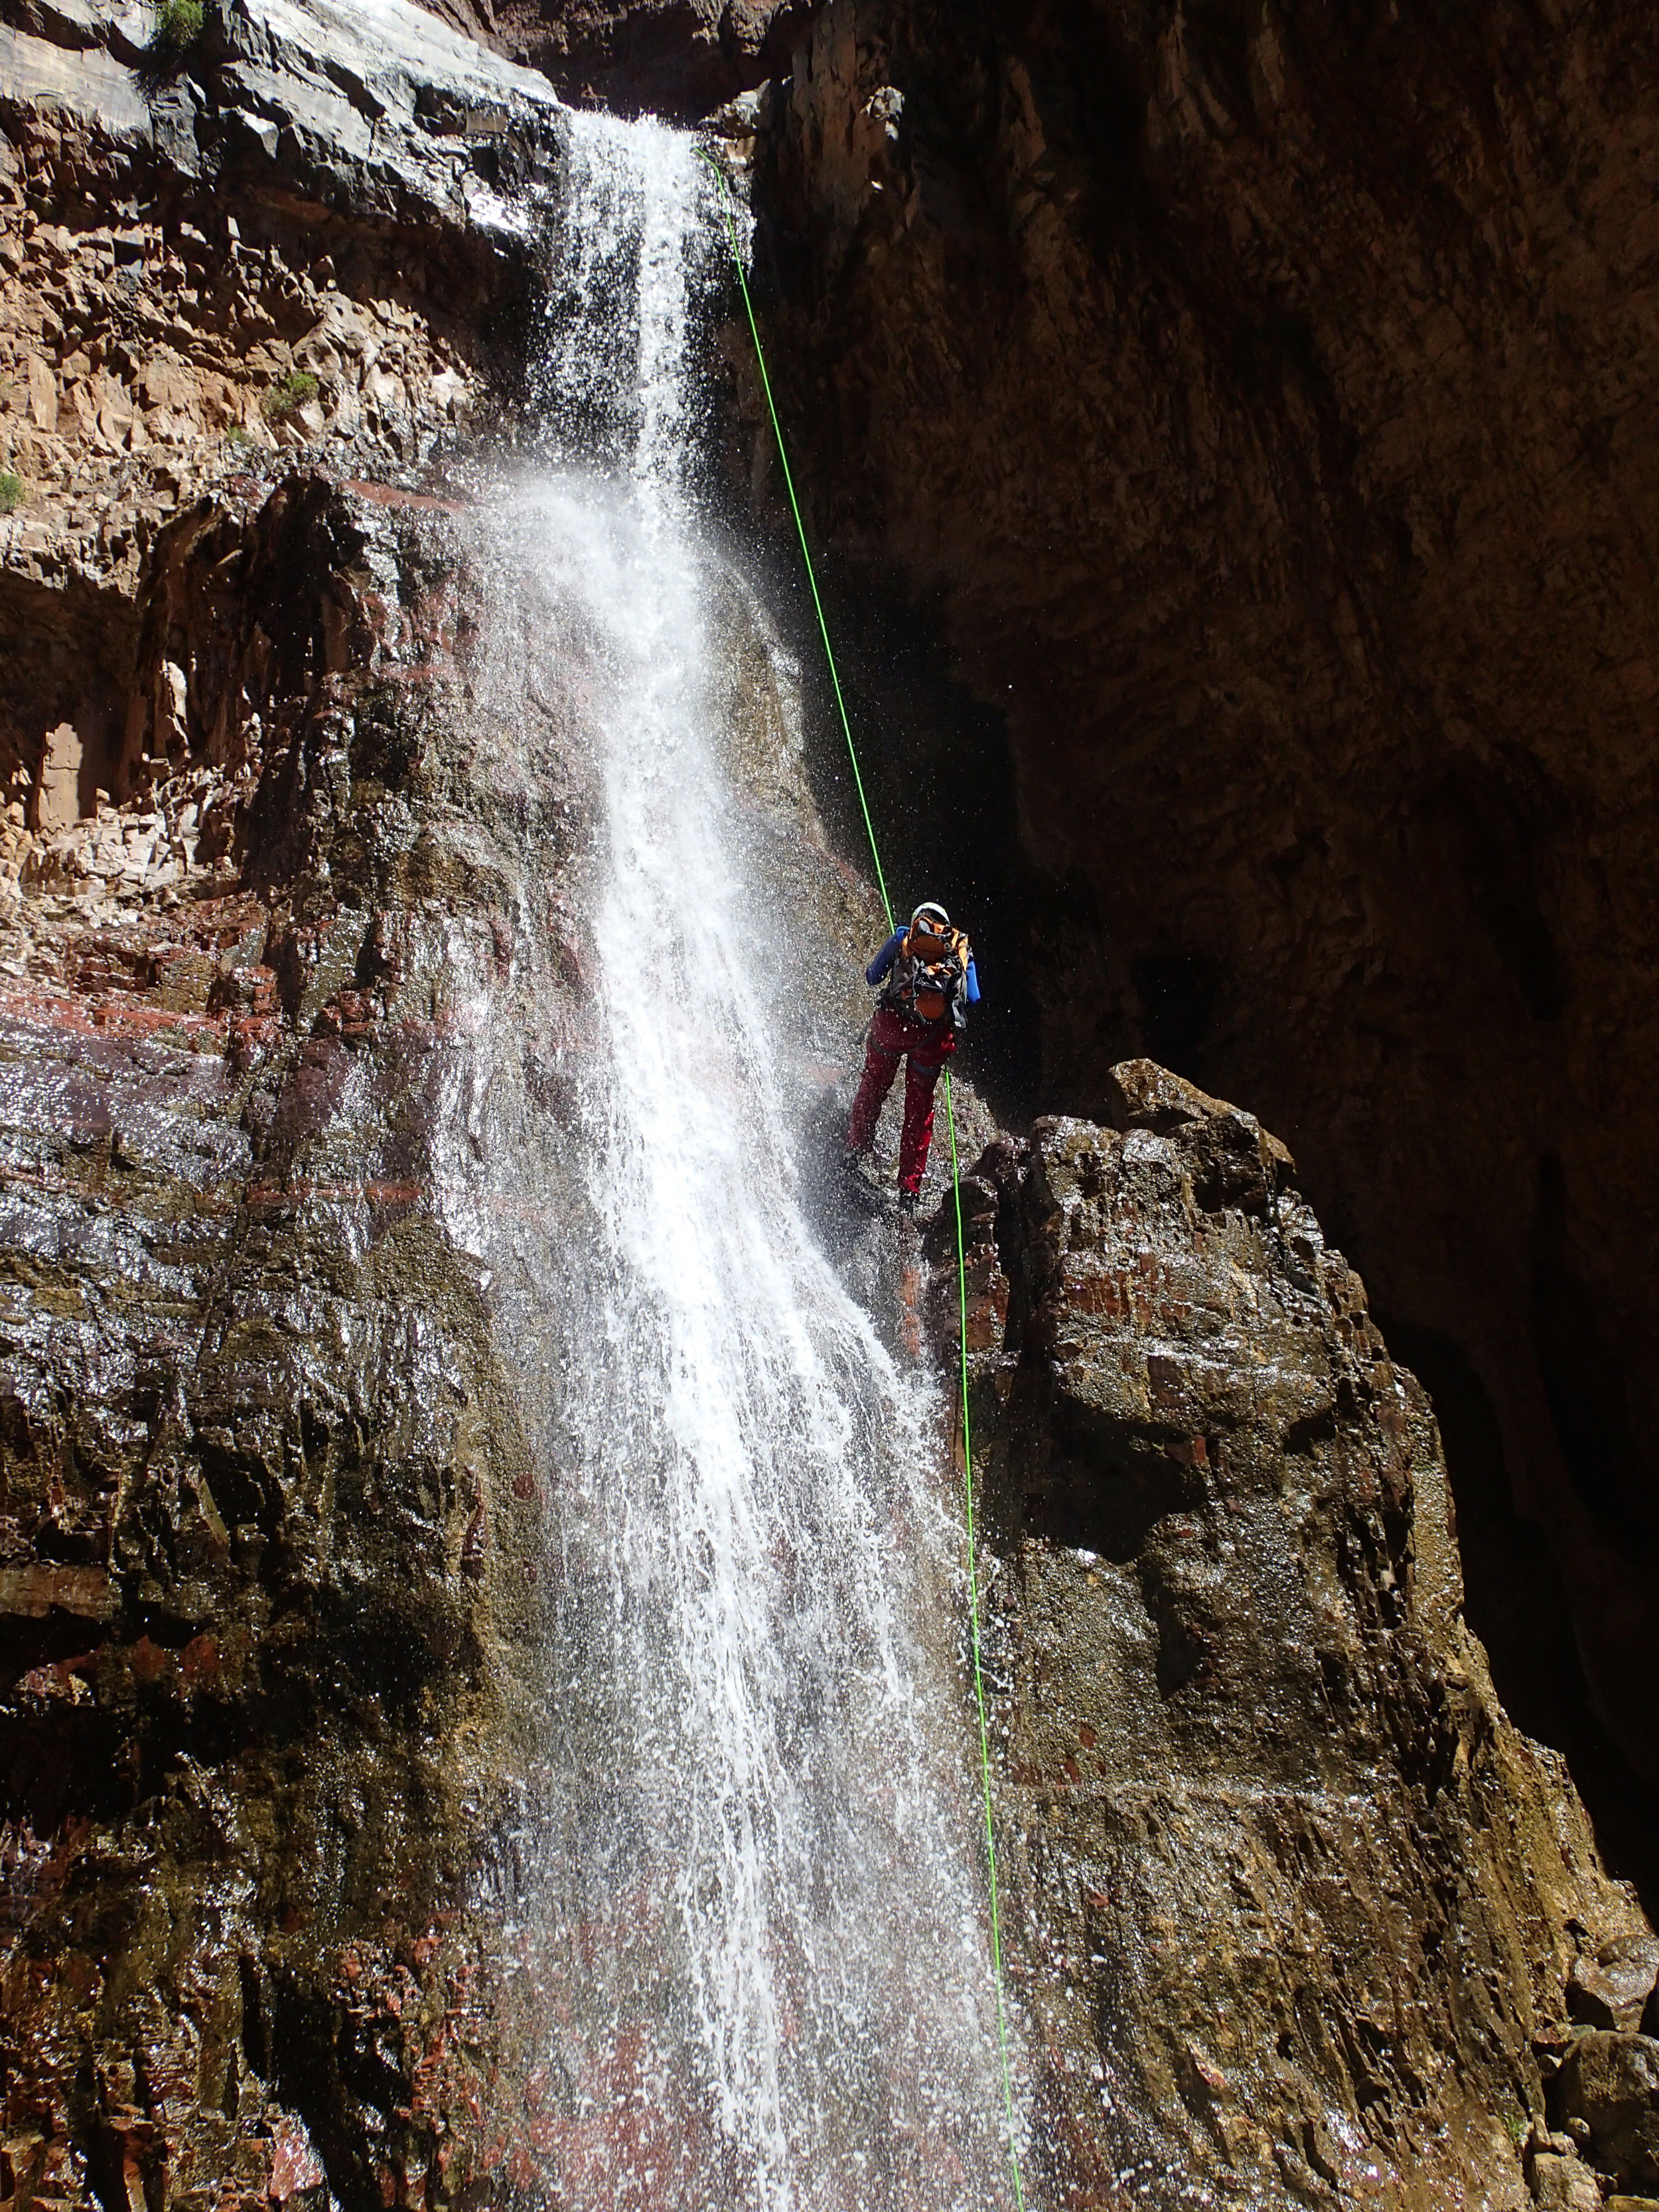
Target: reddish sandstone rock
(1267,1928)
(243,1610)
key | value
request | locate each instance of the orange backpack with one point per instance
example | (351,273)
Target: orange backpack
(929,972)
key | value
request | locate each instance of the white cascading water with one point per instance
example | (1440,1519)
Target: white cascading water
(763,1927)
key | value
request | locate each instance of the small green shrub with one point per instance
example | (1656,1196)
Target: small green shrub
(177,26)
(285,400)
(238,435)
(11,492)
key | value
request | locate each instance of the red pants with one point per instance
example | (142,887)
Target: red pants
(929,1045)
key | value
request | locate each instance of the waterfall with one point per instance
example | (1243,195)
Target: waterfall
(761,1927)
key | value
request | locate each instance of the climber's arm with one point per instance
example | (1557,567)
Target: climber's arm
(876,972)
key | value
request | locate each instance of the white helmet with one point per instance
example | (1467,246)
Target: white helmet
(934,912)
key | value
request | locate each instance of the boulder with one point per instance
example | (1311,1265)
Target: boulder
(1611,1990)
(1563,2184)
(1611,2082)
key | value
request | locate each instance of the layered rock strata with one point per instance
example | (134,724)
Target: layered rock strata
(1301,1904)
(1253,402)
(268,1558)
(293,238)
(269,1604)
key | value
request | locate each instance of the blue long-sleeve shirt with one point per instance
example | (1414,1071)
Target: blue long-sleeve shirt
(876,972)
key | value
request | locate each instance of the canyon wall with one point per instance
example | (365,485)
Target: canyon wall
(1299,1906)
(270,1546)
(272,1628)
(1254,401)
(293,946)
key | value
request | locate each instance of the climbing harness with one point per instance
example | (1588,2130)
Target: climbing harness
(956,1187)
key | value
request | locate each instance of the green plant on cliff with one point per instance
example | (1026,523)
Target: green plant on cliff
(285,400)
(11,492)
(177,26)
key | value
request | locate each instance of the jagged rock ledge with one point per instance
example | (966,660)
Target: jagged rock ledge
(1304,1905)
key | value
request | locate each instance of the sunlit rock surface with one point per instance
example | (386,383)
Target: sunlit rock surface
(282,271)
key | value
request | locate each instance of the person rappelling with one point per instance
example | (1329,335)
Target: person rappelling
(927,980)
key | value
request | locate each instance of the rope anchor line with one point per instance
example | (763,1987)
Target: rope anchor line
(956,1186)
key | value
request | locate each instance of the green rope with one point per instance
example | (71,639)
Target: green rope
(962,1254)
(972,1615)
(789,485)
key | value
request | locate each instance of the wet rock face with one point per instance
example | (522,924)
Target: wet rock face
(269,1621)
(1249,398)
(1296,1910)
(1611,1990)
(1610,2084)
(1299,1898)
(269,1550)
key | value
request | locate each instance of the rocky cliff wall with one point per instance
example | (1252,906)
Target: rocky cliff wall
(296,964)
(1305,1903)
(293,948)
(271,1620)
(270,1549)
(289,237)
(1254,404)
